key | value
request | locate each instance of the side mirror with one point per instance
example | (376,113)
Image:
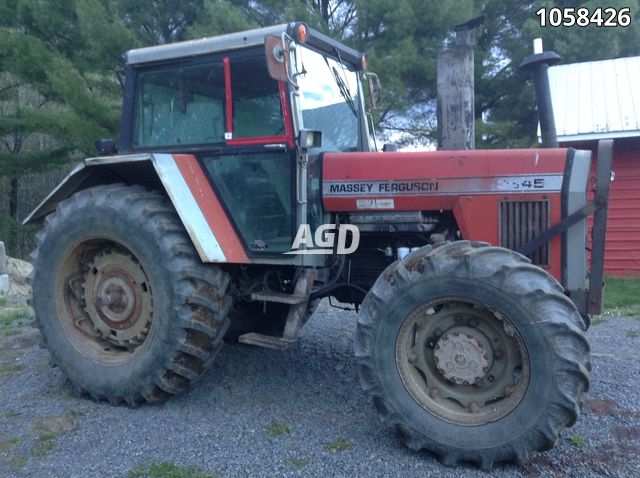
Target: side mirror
(106,147)
(310,139)
(277,53)
(375,91)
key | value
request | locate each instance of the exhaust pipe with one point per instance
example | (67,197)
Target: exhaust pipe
(538,64)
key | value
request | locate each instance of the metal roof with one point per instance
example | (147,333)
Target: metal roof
(202,46)
(597,99)
(234,41)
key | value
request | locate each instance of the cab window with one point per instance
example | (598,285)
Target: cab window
(180,106)
(257,110)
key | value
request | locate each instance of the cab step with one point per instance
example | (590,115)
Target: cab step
(267,341)
(298,301)
(280,297)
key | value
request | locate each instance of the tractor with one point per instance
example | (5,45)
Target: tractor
(246,185)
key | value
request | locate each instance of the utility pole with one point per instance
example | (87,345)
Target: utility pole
(456,129)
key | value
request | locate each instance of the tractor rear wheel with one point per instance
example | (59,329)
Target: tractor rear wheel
(472,353)
(124,304)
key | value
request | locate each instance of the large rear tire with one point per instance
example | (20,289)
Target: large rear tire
(472,353)
(125,306)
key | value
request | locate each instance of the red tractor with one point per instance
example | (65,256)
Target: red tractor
(246,186)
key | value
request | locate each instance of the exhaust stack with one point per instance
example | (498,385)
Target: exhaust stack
(538,64)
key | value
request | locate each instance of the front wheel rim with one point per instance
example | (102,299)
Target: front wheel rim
(462,361)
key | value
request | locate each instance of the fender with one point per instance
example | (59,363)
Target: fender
(181,177)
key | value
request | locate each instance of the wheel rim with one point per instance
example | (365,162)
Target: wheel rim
(104,301)
(462,361)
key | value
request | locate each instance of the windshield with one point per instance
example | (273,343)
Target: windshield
(329,100)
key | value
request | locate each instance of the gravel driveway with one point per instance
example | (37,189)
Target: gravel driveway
(262,413)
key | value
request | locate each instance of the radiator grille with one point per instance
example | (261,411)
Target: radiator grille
(521,221)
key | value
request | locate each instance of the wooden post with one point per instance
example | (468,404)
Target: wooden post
(455,112)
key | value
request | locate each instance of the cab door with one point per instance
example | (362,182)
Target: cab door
(254,172)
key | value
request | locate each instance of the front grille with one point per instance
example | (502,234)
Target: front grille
(520,222)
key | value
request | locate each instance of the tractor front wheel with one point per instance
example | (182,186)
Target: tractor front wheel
(472,353)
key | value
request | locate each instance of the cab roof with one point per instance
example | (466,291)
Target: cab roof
(235,41)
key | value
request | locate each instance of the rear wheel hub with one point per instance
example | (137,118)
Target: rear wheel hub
(118,299)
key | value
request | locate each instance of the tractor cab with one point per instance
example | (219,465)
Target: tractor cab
(256,109)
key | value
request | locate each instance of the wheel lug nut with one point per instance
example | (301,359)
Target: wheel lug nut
(509,330)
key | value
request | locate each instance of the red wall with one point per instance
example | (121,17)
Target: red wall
(622,249)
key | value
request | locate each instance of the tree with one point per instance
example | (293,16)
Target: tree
(160,21)
(59,89)
(505,102)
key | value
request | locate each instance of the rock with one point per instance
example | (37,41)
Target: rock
(19,271)
(4,284)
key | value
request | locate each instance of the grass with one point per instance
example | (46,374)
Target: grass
(622,297)
(19,464)
(577,440)
(277,429)
(45,443)
(338,445)
(13,318)
(298,463)
(12,315)
(10,368)
(167,469)
(5,446)
(9,331)
(633,333)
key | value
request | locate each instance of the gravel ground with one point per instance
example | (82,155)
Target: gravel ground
(262,413)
